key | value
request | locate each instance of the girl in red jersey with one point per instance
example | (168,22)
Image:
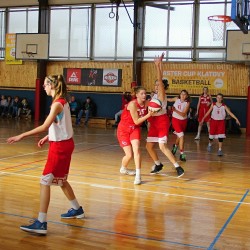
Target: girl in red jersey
(204,103)
(129,132)
(158,125)
(217,122)
(60,133)
(179,121)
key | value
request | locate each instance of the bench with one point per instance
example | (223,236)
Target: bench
(95,121)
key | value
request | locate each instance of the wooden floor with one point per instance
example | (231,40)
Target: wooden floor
(208,208)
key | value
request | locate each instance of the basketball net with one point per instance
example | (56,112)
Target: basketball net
(218,24)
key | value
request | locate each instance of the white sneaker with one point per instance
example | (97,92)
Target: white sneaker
(137,180)
(127,171)
(197,137)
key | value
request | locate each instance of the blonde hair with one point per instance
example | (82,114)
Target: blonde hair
(60,87)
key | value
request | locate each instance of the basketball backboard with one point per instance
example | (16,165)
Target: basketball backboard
(240,14)
(30,46)
(238,46)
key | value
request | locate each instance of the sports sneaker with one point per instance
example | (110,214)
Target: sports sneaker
(197,137)
(182,157)
(36,227)
(73,213)
(180,171)
(127,171)
(174,149)
(157,169)
(220,153)
(137,180)
(209,148)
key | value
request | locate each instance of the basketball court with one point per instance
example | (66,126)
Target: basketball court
(207,208)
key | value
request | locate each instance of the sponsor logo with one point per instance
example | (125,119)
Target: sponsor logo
(110,78)
(74,76)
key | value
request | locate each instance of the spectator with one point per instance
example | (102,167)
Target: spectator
(17,106)
(74,106)
(10,106)
(125,100)
(25,108)
(88,108)
(3,105)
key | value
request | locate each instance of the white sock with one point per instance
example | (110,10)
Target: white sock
(157,162)
(75,204)
(122,167)
(176,165)
(138,172)
(209,144)
(219,149)
(42,217)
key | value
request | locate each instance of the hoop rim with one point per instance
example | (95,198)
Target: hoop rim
(220,18)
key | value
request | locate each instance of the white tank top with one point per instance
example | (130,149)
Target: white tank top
(61,129)
(218,113)
(180,106)
(164,106)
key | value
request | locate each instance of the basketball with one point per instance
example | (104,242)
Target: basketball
(155,105)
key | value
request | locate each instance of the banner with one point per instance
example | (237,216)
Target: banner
(196,79)
(10,49)
(93,77)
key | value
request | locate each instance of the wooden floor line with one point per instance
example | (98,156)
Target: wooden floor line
(228,221)
(109,232)
(136,189)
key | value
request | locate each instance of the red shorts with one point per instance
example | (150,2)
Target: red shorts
(125,134)
(59,157)
(179,126)
(158,128)
(217,129)
(201,114)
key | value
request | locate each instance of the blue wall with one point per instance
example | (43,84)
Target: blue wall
(109,104)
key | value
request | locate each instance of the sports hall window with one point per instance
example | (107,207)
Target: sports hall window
(70,28)
(2,32)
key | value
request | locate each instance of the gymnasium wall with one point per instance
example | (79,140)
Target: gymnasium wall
(20,80)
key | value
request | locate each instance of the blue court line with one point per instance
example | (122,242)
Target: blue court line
(111,232)
(227,222)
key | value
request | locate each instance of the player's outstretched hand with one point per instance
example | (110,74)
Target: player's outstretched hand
(14,139)
(237,121)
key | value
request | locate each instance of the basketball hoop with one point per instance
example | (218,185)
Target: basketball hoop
(218,23)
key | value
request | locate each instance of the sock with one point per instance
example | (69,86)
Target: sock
(181,151)
(42,217)
(75,204)
(122,167)
(219,149)
(209,144)
(176,165)
(138,172)
(157,163)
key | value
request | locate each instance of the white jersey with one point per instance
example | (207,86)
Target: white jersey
(61,129)
(218,112)
(180,106)
(164,106)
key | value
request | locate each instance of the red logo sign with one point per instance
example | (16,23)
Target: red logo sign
(74,76)
(110,77)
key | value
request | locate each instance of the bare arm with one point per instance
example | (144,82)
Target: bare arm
(172,99)
(198,106)
(232,115)
(55,109)
(161,91)
(133,111)
(208,112)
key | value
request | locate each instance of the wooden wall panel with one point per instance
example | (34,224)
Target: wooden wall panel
(21,76)
(238,76)
(57,68)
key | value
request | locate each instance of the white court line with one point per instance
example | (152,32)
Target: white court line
(136,190)
(16,156)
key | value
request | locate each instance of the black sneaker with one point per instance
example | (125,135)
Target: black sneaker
(182,157)
(157,169)
(174,149)
(180,171)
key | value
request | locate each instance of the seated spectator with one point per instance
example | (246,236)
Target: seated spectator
(10,106)
(192,124)
(25,108)
(74,106)
(3,106)
(88,109)
(17,107)
(125,100)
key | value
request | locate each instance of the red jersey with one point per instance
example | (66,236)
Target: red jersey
(205,102)
(126,118)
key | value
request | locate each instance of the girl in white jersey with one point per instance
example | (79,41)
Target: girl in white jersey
(60,133)
(179,120)
(217,123)
(159,126)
